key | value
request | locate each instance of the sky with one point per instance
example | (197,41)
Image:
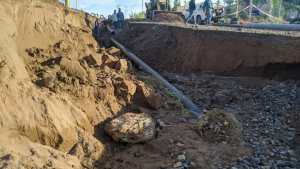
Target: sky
(106,7)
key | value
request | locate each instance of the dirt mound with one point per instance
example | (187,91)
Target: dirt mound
(183,49)
(169,18)
(217,126)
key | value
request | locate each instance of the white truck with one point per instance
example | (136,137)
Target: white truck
(199,16)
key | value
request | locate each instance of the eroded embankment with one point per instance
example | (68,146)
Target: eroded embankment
(225,50)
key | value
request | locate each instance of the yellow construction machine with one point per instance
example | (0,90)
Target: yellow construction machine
(155,7)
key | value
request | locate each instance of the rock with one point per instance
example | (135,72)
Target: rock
(222,97)
(181,157)
(131,128)
(180,144)
(61,45)
(110,61)
(147,95)
(92,60)
(161,123)
(2,63)
(114,51)
(177,165)
(92,77)
(193,164)
(122,65)
(33,52)
(125,88)
(73,68)
(47,80)
(88,150)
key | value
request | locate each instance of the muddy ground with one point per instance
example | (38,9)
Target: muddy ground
(59,87)
(252,75)
(266,109)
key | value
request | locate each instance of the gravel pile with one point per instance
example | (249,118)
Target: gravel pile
(262,106)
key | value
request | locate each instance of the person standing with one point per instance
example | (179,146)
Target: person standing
(121,19)
(192,7)
(115,19)
(208,7)
(96,30)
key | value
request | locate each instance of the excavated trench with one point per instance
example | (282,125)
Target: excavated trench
(233,69)
(222,50)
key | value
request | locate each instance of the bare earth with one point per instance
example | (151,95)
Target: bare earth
(58,88)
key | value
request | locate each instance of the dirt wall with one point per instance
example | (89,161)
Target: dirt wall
(186,50)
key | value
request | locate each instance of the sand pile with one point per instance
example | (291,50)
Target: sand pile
(169,18)
(56,85)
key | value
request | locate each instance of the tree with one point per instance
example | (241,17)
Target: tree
(176,4)
(292,6)
(230,6)
(139,15)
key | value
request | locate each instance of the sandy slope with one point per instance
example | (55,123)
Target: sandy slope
(63,117)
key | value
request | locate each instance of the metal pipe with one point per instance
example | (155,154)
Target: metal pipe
(110,30)
(192,107)
(283,27)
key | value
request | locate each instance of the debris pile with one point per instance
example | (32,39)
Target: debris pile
(170,17)
(219,127)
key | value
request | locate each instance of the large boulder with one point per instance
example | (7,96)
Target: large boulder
(131,128)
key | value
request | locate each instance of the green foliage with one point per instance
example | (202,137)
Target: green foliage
(176,4)
(139,15)
(278,8)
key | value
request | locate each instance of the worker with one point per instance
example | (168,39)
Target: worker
(96,30)
(115,19)
(121,19)
(192,7)
(208,7)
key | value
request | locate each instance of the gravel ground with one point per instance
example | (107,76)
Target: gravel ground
(264,108)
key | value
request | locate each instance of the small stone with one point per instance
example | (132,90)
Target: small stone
(93,60)
(266,167)
(180,144)
(122,65)
(177,165)
(181,157)
(73,68)
(114,51)
(161,123)
(152,99)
